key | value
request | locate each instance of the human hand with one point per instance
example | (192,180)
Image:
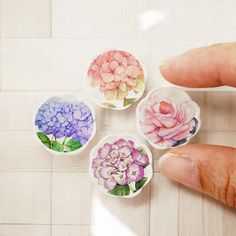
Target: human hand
(210,169)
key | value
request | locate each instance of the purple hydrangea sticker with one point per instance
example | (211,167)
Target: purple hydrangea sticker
(64,125)
(121,166)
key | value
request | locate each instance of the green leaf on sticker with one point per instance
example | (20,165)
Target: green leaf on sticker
(44,139)
(72,145)
(128,101)
(142,151)
(109,105)
(120,190)
(56,146)
(140,183)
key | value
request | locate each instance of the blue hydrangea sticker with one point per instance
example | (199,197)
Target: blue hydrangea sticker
(64,125)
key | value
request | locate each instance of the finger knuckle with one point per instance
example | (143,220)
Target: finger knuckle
(228,190)
(227,187)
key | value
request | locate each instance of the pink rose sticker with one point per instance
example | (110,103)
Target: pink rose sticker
(168,118)
(120,165)
(116,78)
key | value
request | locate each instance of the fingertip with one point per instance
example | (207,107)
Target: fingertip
(208,66)
(165,69)
(206,168)
(176,70)
(180,168)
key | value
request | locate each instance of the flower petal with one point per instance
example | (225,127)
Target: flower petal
(170,133)
(106,172)
(132,61)
(104,151)
(123,87)
(131,82)
(147,128)
(110,94)
(96,162)
(113,65)
(190,109)
(168,122)
(109,184)
(136,154)
(156,122)
(107,77)
(166,143)
(119,70)
(111,85)
(95,82)
(181,135)
(154,136)
(106,68)
(132,71)
(166,108)
(124,151)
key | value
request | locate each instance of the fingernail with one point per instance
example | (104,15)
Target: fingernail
(166,62)
(180,168)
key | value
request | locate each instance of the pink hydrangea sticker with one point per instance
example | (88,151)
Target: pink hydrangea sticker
(168,118)
(117,79)
(120,165)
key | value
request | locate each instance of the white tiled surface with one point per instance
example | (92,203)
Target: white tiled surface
(190,204)
(45,48)
(126,216)
(45,64)
(25,230)
(23,153)
(24,18)
(71,230)
(94,19)
(162,19)
(71,198)
(25,197)
(164,204)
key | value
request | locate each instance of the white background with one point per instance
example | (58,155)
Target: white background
(46,46)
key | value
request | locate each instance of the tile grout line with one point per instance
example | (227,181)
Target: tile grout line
(178,207)
(19,90)
(149,209)
(51,6)
(203,198)
(150,198)
(63,224)
(203,215)
(204,112)
(116,130)
(93,38)
(24,171)
(51,197)
(58,172)
(0,62)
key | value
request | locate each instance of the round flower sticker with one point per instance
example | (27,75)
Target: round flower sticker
(65,124)
(120,165)
(168,118)
(116,78)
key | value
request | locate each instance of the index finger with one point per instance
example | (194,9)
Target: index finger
(208,66)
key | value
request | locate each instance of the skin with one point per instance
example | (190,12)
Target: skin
(210,169)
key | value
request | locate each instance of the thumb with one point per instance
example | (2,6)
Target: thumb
(206,168)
